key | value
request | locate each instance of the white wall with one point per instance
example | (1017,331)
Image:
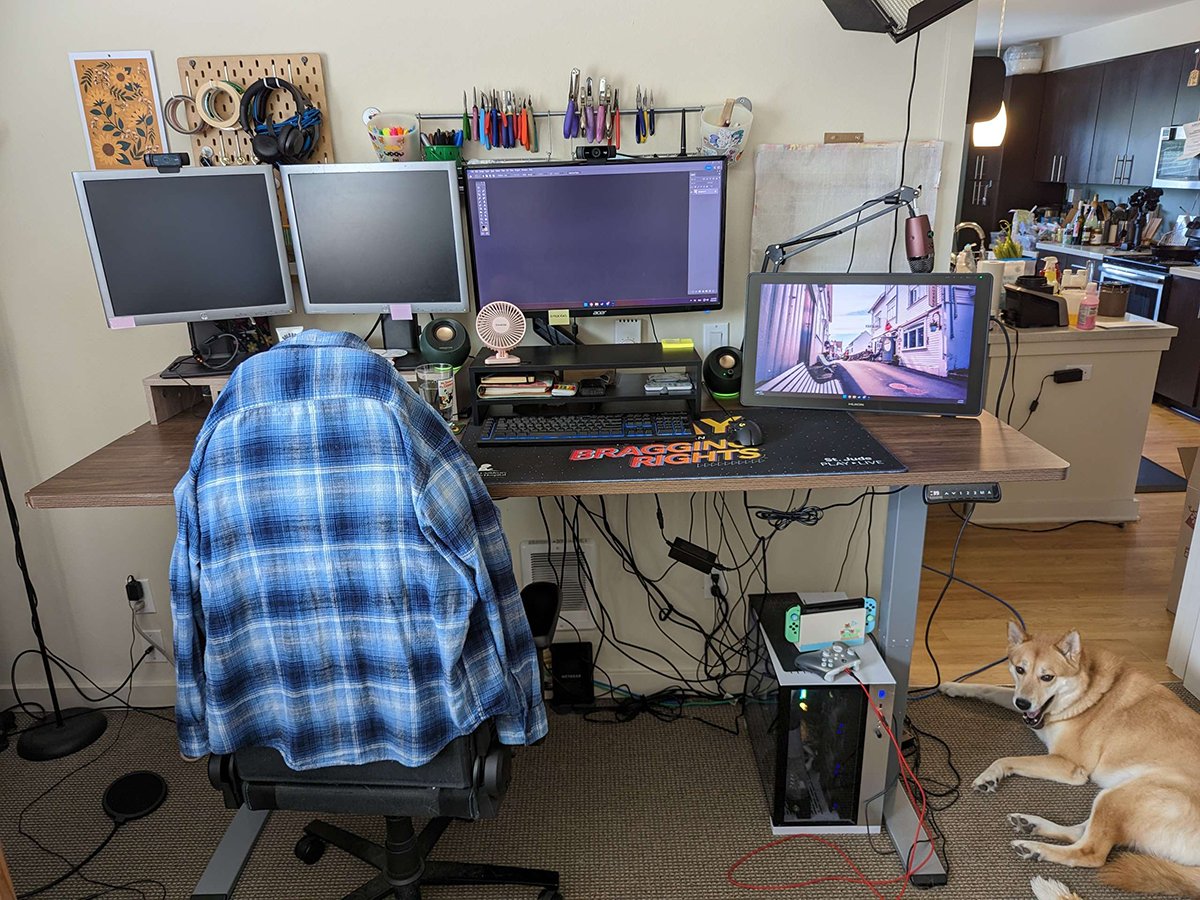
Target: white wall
(68,385)
(1153,30)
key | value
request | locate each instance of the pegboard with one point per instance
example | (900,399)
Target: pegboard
(304,70)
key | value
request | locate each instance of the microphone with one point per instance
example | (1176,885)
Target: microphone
(918,242)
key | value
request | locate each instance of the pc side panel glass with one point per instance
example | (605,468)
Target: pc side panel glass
(764,725)
(825,729)
(375,239)
(595,238)
(182,245)
(866,342)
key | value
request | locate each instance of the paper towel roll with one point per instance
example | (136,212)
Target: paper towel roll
(995,268)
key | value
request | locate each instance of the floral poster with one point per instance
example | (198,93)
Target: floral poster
(118,100)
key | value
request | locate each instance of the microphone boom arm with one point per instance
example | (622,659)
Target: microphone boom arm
(776,255)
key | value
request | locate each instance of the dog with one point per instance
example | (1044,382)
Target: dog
(1102,720)
(1048,889)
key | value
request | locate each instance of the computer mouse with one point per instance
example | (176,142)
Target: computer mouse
(747,433)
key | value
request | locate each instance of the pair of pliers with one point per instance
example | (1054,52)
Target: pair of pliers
(571,116)
(639,122)
(614,137)
(602,115)
(486,128)
(466,123)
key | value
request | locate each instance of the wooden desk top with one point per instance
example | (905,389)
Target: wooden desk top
(142,467)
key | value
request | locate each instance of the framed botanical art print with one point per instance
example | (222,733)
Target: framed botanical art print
(118,102)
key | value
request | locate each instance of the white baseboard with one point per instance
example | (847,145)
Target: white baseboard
(161,693)
(1011,511)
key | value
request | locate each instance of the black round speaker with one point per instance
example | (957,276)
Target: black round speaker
(723,372)
(445,341)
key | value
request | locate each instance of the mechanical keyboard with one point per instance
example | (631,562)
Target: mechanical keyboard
(586,428)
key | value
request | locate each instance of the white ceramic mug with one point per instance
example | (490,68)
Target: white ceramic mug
(721,140)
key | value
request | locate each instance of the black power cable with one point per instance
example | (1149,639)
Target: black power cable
(904,147)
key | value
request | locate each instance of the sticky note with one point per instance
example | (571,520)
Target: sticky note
(121,322)
(560,317)
(400,311)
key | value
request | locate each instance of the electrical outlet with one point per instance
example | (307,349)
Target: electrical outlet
(156,636)
(1086,368)
(148,607)
(716,334)
(627,331)
(707,585)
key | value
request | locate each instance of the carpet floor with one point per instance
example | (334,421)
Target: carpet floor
(645,810)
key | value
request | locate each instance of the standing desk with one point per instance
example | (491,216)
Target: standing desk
(142,467)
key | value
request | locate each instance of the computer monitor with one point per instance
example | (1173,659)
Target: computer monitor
(603,238)
(368,237)
(890,343)
(193,246)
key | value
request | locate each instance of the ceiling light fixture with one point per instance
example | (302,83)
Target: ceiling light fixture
(990,133)
(896,18)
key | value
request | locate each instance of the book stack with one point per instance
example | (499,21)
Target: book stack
(516,386)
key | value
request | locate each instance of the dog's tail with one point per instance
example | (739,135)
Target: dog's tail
(1151,875)
(1049,889)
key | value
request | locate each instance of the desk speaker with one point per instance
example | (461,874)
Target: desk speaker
(723,373)
(445,341)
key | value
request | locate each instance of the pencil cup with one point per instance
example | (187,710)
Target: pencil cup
(443,153)
(720,140)
(395,137)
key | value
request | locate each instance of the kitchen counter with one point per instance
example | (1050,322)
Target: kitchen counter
(1089,252)
(1098,425)
(1186,271)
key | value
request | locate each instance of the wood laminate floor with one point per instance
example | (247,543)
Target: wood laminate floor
(1110,583)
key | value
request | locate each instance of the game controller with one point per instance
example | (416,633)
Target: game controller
(791,624)
(830,662)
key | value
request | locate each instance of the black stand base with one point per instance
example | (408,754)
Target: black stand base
(554,335)
(49,740)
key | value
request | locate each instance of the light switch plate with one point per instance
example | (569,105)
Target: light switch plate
(716,334)
(627,331)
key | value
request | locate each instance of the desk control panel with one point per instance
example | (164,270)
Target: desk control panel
(985,492)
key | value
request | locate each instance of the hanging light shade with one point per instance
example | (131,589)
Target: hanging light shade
(990,133)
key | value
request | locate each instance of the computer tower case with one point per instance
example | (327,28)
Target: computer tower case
(821,752)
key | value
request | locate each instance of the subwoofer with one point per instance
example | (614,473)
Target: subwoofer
(445,341)
(723,373)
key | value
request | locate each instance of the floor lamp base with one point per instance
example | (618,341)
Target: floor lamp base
(81,727)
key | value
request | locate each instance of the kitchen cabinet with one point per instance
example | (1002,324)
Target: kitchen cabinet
(1187,99)
(1158,80)
(1179,369)
(1137,99)
(1068,125)
(999,179)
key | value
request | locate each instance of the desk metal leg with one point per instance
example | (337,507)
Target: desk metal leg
(902,555)
(225,867)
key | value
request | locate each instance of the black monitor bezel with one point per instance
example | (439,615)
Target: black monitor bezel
(615,311)
(977,372)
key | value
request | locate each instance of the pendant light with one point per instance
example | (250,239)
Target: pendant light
(990,133)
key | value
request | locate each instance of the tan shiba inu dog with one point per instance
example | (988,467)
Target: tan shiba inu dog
(1103,720)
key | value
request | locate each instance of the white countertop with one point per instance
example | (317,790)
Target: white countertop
(1089,252)
(1186,271)
(1100,339)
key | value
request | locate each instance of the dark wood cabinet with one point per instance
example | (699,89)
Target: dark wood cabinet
(1068,124)
(1118,92)
(1187,99)
(1155,109)
(1179,368)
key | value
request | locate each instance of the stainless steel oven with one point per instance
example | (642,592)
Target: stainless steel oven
(1170,170)
(1146,287)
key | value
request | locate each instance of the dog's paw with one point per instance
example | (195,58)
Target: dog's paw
(989,780)
(955,689)
(1021,824)
(1027,850)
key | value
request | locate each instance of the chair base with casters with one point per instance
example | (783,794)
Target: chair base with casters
(465,780)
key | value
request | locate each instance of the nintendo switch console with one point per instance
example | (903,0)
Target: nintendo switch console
(818,621)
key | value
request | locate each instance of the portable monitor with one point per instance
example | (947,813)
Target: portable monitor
(889,343)
(613,237)
(191,246)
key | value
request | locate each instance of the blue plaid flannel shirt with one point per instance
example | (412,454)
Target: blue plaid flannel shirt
(341,587)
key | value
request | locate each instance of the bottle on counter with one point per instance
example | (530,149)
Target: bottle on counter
(1088,307)
(1051,272)
(1094,227)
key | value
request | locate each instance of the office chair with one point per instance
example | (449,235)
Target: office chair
(466,780)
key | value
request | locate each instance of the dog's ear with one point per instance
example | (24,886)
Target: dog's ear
(1069,647)
(1016,634)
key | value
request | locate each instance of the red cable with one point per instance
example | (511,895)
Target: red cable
(906,775)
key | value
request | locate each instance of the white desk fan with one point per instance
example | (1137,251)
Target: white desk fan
(500,326)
